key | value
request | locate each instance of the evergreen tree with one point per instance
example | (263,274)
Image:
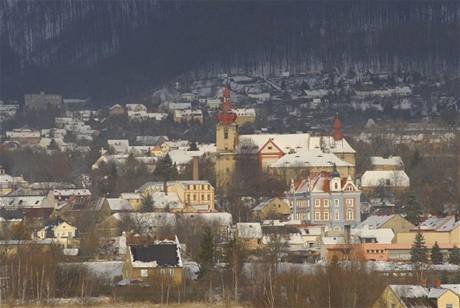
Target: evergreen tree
(147,204)
(418,251)
(436,255)
(206,252)
(454,255)
(165,170)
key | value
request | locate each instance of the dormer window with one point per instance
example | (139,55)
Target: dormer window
(336,186)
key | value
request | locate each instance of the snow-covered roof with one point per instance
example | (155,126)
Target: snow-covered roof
(389,161)
(183,156)
(375,221)
(382,236)
(6,179)
(289,143)
(249,230)
(327,143)
(170,200)
(436,292)
(306,158)
(409,291)
(453,287)
(393,178)
(71,192)
(119,204)
(131,196)
(285,142)
(25,202)
(447,223)
(331,240)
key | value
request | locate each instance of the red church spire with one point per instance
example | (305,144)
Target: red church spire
(226,116)
(337,128)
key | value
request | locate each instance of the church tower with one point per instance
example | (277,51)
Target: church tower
(226,131)
(226,142)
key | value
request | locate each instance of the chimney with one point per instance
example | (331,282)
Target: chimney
(436,283)
(196,171)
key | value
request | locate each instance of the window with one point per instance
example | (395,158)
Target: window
(326,215)
(270,147)
(209,197)
(336,186)
(449,305)
(349,202)
(349,214)
(337,215)
(144,273)
(317,215)
(317,202)
(194,197)
(326,203)
(225,133)
(336,202)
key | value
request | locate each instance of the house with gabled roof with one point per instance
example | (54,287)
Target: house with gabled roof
(394,222)
(325,199)
(271,208)
(443,230)
(60,232)
(408,296)
(79,208)
(152,260)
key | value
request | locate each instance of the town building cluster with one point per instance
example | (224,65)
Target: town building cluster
(327,211)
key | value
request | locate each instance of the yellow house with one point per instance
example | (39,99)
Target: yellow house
(154,262)
(394,222)
(403,296)
(60,231)
(444,231)
(273,208)
(196,195)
